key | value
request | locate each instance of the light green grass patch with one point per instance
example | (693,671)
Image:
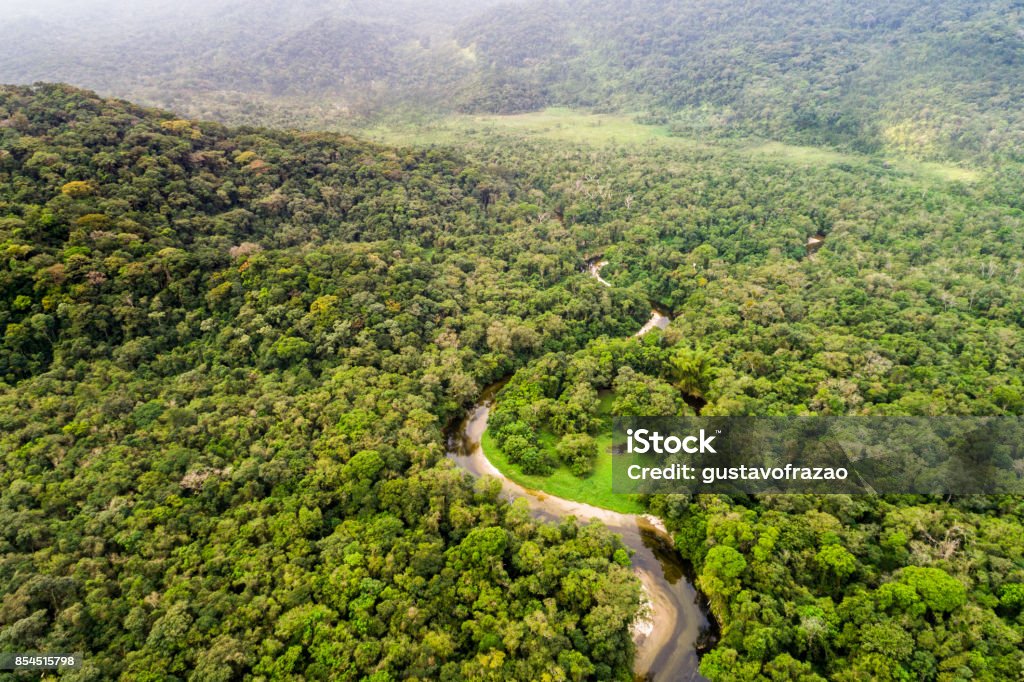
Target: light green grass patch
(821,156)
(945,172)
(595,489)
(584,128)
(810,156)
(557,123)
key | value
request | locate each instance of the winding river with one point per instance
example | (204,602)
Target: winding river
(667,642)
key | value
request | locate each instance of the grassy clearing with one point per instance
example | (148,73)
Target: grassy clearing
(583,128)
(565,125)
(821,156)
(797,154)
(595,490)
(944,171)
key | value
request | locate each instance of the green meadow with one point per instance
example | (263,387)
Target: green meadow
(595,489)
(576,127)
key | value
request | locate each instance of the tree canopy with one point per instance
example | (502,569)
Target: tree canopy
(228,357)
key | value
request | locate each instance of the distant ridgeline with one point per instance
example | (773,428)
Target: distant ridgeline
(911,76)
(935,80)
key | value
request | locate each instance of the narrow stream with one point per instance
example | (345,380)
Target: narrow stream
(659,318)
(667,644)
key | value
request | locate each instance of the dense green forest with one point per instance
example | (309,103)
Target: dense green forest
(916,77)
(228,355)
(806,587)
(233,346)
(912,306)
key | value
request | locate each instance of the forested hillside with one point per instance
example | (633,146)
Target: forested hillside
(932,79)
(937,80)
(249,61)
(228,355)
